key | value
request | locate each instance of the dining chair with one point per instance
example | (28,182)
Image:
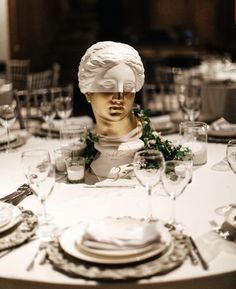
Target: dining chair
(17,71)
(44,79)
(28,102)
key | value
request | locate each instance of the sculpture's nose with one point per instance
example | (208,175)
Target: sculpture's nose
(120,95)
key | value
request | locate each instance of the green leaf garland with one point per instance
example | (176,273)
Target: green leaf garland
(150,137)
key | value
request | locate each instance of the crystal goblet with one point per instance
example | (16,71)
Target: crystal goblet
(148,165)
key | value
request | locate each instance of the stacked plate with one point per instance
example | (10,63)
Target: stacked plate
(116,241)
(10,216)
(221,131)
(163,124)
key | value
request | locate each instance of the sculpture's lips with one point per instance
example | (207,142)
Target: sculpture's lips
(117,107)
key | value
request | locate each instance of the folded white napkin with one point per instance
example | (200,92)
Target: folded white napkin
(122,234)
(222,124)
(5,214)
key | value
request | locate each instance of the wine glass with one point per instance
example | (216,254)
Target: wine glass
(7,119)
(231,159)
(39,171)
(48,113)
(190,101)
(175,177)
(231,154)
(148,165)
(63,104)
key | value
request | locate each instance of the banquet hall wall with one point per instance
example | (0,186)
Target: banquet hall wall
(60,31)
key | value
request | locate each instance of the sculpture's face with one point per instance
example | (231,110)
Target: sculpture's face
(113,93)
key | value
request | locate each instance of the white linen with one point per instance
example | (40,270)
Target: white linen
(70,203)
(122,234)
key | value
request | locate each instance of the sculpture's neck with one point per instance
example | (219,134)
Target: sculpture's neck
(116,128)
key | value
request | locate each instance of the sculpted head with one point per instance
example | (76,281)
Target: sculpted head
(101,57)
(110,73)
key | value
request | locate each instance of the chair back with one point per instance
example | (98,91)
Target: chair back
(17,71)
(44,79)
(29,102)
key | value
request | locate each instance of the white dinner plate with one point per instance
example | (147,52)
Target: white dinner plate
(15,218)
(70,243)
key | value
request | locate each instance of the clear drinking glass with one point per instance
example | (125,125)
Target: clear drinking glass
(63,103)
(7,119)
(190,100)
(193,135)
(48,111)
(73,137)
(148,165)
(175,177)
(231,154)
(39,171)
(231,159)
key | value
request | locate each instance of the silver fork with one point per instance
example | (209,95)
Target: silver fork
(40,248)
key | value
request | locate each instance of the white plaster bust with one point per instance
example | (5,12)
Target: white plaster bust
(110,73)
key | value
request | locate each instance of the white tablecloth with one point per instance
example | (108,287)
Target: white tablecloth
(213,185)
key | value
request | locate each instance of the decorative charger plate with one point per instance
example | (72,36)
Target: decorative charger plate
(70,242)
(3,138)
(19,233)
(172,258)
(19,141)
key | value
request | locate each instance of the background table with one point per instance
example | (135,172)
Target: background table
(213,185)
(219,100)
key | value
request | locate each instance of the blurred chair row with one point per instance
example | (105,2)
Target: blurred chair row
(31,89)
(29,102)
(18,73)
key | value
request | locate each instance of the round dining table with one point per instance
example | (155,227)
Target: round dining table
(213,185)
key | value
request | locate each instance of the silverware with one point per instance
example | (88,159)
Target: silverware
(204,264)
(18,196)
(191,254)
(40,248)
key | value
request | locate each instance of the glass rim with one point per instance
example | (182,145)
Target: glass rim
(192,123)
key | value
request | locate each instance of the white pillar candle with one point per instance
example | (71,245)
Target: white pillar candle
(199,150)
(75,173)
(180,170)
(60,164)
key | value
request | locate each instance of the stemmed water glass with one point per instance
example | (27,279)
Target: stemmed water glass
(63,105)
(231,154)
(148,165)
(231,159)
(7,119)
(190,100)
(39,172)
(48,112)
(175,177)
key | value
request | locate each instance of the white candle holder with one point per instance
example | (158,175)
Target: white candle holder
(193,135)
(75,167)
